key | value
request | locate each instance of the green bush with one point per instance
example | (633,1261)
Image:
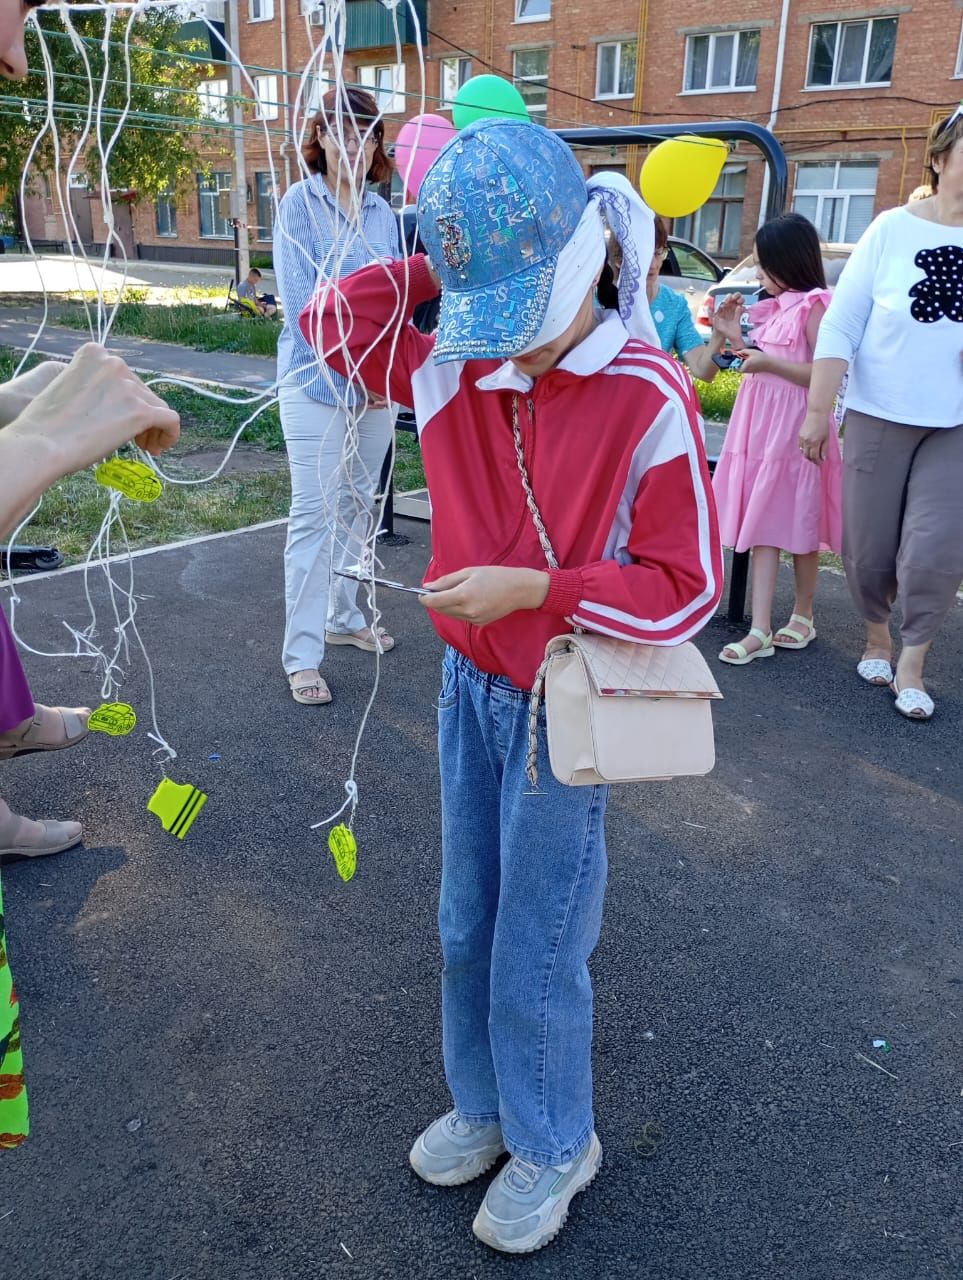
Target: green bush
(718,396)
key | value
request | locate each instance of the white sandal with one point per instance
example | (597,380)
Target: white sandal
(799,639)
(765,649)
(875,671)
(914,704)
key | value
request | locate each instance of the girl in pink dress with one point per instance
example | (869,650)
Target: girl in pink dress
(770,497)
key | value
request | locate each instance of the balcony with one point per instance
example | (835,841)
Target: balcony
(371,26)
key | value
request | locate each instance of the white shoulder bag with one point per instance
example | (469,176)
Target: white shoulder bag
(617,711)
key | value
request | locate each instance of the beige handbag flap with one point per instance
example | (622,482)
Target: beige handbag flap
(619,668)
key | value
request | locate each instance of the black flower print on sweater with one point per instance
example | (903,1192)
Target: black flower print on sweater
(941,292)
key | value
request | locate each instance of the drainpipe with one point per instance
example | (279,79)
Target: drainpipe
(776,93)
(286,123)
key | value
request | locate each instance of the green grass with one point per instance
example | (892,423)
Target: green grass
(188,325)
(719,395)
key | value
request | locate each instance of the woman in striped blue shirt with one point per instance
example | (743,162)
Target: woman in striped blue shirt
(329,225)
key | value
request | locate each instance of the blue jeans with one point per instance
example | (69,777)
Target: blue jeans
(522,884)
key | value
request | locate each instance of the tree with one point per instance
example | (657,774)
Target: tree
(155,150)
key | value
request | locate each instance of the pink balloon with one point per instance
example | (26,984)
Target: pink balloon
(419,141)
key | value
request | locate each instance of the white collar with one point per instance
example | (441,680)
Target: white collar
(591,355)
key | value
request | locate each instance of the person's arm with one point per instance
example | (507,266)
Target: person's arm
(296,251)
(696,354)
(668,591)
(362,325)
(95,405)
(17,394)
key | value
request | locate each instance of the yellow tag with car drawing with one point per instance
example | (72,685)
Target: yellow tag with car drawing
(115,718)
(344,848)
(135,480)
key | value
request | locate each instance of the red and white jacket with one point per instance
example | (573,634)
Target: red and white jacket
(614,452)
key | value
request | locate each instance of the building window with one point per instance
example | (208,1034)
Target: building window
(213,99)
(213,225)
(266,91)
(717,225)
(454,73)
(532,10)
(959,59)
(261,10)
(615,77)
(721,61)
(851,53)
(165,213)
(266,202)
(838,196)
(388,86)
(531,78)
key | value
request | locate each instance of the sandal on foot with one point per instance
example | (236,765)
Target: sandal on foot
(24,838)
(302,681)
(744,655)
(799,638)
(364,638)
(51,729)
(875,671)
(914,704)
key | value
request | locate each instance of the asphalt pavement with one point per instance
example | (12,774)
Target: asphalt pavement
(229,1050)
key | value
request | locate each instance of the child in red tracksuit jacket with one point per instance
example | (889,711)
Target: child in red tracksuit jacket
(611,438)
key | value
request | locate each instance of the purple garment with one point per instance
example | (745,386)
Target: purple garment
(16,700)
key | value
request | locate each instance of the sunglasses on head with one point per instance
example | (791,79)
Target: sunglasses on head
(951,120)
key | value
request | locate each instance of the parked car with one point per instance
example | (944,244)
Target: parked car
(691,271)
(744,279)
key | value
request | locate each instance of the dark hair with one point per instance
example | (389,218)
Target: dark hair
(356,104)
(942,137)
(254,272)
(661,235)
(788,250)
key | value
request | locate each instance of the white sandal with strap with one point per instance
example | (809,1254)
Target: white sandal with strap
(800,640)
(875,671)
(914,704)
(301,681)
(745,655)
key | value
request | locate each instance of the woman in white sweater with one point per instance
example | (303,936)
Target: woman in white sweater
(896,322)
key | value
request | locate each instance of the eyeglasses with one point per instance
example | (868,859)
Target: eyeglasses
(661,253)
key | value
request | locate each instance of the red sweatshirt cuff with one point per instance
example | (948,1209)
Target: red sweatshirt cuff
(564,592)
(421,287)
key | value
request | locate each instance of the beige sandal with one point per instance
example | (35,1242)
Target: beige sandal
(363,638)
(51,729)
(24,838)
(301,681)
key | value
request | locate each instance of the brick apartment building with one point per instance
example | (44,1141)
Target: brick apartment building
(850,90)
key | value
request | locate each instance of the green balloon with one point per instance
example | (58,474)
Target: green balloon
(485,98)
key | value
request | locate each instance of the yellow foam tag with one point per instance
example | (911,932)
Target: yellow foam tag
(177,804)
(135,480)
(344,847)
(115,718)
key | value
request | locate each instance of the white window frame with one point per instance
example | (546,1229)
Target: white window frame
(958,73)
(862,82)
(517,80)
(834,192)
(713,36)
(212,95)
(619,45)
(166,198)
(691,227)
(449,65)
(260,10)
(532,17)
(266,103)
(222,181)
(391,102)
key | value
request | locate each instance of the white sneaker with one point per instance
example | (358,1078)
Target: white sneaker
(527,1204)
(452,1151)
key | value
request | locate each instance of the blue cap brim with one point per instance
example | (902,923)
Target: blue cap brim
(497,320)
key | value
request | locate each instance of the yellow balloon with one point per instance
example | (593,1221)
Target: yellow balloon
(679,174)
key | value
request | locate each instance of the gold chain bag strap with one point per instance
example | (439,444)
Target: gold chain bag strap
(617,711)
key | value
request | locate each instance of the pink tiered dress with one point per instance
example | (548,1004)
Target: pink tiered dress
(767,493)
